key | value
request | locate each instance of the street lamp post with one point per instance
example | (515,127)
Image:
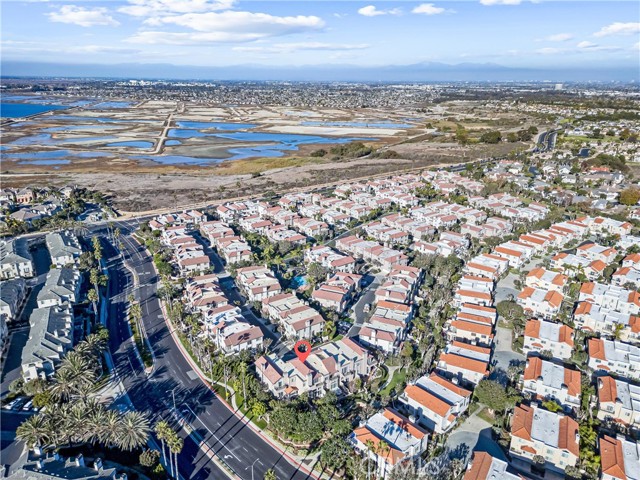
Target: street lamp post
(252,467)
(173,394)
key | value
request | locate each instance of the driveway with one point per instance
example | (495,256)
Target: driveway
(473,434)
(503,355)
(366,297)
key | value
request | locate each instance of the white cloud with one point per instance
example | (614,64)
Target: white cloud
(618,28)
(296,46)
(372,11)
(636,46)
(594,47)
(84,17)
(241,25)
(500,2)
(428,9)
(585,44)
(229,26)
(559,37)
(549,51)
(147,8)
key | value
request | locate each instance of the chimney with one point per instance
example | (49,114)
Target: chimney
(40,464)
(97,465)
(80,460)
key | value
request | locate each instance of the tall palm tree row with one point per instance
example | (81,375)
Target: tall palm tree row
(91,422)
(73,416)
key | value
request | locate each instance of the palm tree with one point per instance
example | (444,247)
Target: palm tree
(75,364)
(133,431)
(243,371)
(370,448)
(175,446)
(63,385)
(34,431)
(270,475)
(162,430)
(92,296)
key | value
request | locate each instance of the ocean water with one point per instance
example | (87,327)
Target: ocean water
(16,110)
(172,143)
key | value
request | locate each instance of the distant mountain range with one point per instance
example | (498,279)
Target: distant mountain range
(419,72)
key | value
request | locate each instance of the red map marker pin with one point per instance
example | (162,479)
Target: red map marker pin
(302,349)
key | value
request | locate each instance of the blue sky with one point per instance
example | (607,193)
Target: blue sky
(227,32)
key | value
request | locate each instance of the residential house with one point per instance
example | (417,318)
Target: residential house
(12,295)
(541,336)
(297,319)
(402,440)
(540,303)
(546,280)
(546,380)
(338,291)
(618,400)
(464,362)
(613,356)
(538,432)
(619,458)
(64,248)
(607,322)
(61,286)
(258,283)
(51,336)
(15,259)
(485,467)
(435,402)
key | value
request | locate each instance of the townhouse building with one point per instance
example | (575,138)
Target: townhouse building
(593,251)
(338,291)
(386,329)
(402,440)
(435,402)
(12,295)
(553,436)
(619,458)
(258,283)
(542,335)
(297,319)
(613,356)
(230,331)
(61,286)
(468,364)
(540,303)
(618,400)
(611,297)
(51,336)
(64,248)
(330,259)
(485,467)
(546,380)
(544,279)
(332,367)
(15,259)
(595,318)
(573,265)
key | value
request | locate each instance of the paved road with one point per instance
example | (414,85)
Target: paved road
(226,435)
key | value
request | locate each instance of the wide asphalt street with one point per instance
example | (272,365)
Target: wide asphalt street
(222,433)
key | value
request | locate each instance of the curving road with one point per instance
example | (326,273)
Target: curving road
(218,430)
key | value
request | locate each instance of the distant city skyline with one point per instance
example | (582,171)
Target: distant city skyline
(208,33)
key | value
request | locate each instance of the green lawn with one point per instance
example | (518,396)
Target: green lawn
(399,376)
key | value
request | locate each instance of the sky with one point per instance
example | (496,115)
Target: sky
(514,33)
